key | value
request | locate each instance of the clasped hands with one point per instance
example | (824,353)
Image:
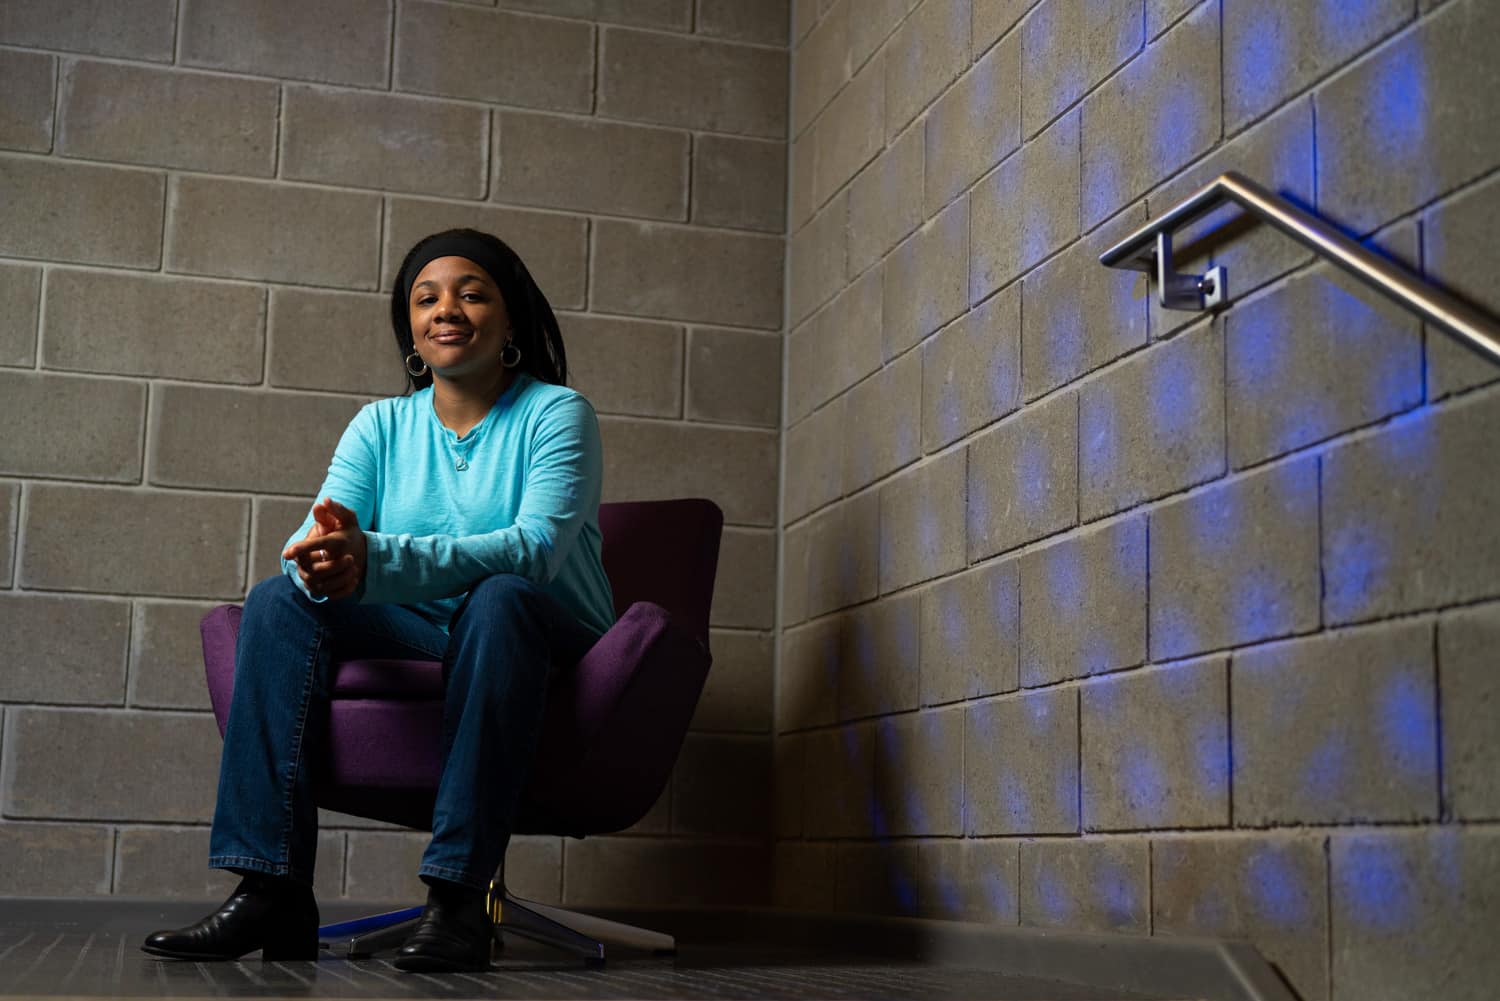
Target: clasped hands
(331,557)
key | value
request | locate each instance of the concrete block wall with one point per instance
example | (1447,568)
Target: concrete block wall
(203,208)
(1105,617)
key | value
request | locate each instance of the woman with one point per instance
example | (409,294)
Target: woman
(458,522)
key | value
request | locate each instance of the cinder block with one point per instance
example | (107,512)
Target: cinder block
(66,786)
(590,166)
(721,785)
(927,53)
(372,140)
(156,327)
(820,250)
(136,31)
(745,590)
(172,862)
(674,15)
(1337,728)
(1129,144)
(802,161)
(836,347)
(275,40)
(839,782)
(275,519)
(807,694)
(993,18)
(922,522)
(1269,890)
(382,865)
(166,656)
(919,773)
(64,650)
(990,877)
(884,423)
(554,247)
(793,569)
(1423,148)
(1405,514)
(805,876)
(1155,748)
(879,644)
(234,439)
(1236,563)
(851,132)
(1083,604)
(306,328)
(692,83)
(1456,236)
(27,80)
(112,540)
(734,376)
(1067,47)
(47,438)
(1274,50)
(1469,683)
(1021,764)
(61,860)
(740,183)
(10,494)
(970,625)
(1023,478)
(1315,358)
(687,274)
(735,467)
(1086,885)
(900,879)
(810,348)
(652,872)
(1277,153)
(767,23)
(813,469)
(80,212)
(1025,209)
(885,200)
(195,121)
(1413,912)
(974,125)
(971,371)
(273,232)
(1160,14)
(1077,315)
(788,753)
(625,366)
(737,695)
(843,554)
(20,294)
(1153,425)
(822,65)
(925,280)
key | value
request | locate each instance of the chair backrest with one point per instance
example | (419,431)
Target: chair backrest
(665,552)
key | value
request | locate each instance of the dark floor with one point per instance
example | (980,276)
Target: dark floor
(91,949)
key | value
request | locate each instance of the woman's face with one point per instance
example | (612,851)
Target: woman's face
(459,323)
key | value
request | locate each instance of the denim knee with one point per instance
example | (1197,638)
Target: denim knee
(272,590)
(501,593)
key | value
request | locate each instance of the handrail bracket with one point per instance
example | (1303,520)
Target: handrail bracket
(1191,292)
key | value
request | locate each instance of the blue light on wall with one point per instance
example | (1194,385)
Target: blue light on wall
(1407,725)
(1275,890)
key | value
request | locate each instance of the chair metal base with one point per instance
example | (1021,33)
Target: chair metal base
(583,936)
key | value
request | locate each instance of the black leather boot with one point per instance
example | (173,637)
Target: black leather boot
(453,935)
(277,916)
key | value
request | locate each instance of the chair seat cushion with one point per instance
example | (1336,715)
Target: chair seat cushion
(398,680)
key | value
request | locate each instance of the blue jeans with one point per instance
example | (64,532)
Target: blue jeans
(502,645)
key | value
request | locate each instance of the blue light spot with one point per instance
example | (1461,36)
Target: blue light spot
(1174,632)
(950,615)
(1174,393)
(1056,905)
(1328,768)
(1101,443)
(1176,127)
(1065,789)
(1145,785)
(904,889)
(1104,184)
(1356,568)
(1065,580)
(929,538)
(950,900)
(1116,892)
(1255,608)
(1406,725)
(1097,655)
(1211,758)
(1275,891)
(1376,881)
(1261,63)
(1066,337)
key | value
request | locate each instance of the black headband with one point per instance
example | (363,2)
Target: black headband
(454,245)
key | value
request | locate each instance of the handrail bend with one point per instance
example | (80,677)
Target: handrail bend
(1148,249)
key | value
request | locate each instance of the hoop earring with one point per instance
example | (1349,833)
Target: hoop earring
(515,360)
(414,373)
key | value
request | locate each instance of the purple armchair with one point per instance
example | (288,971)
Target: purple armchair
(611,734)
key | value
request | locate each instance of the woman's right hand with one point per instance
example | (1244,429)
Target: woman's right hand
(325,574)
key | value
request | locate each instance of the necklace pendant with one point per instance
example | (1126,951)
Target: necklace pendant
(461,464)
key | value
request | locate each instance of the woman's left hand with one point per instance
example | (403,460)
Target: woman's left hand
(331,560)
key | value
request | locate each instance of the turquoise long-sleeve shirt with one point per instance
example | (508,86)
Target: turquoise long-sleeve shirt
(519,493)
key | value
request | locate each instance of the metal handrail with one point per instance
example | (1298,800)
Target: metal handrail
(1149,249)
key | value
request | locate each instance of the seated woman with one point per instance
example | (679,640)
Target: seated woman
(459,522)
